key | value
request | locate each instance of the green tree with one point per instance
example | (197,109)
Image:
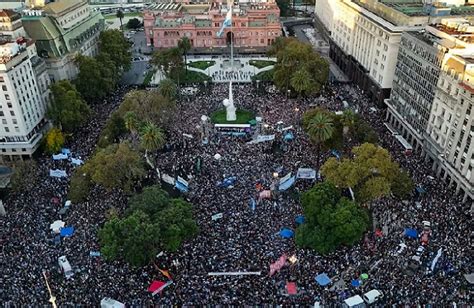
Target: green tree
(54,140)
(95,79)
(320,129)
(348,119)
(301,81)
(152,200)
(134,23)
(153,222)
(114,44)
(116,166)
(25,175)
(152,138)
(184,44)
(169,60)
(284,6)
(131,121)
(168,89)
(331,221)
(120,16)
(67,109)
(296,58)
(114,129)
(402,186)
(371,173)
(149,106)
(176,224)
(135,237)
(80,185)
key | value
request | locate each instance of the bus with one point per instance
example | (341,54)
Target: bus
(405,144)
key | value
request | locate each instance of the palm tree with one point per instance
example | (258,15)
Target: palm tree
(301,81)
(131,121)
(184,45)
(152,137)
(167,88)
(320,129)
(348,121)
(120,16)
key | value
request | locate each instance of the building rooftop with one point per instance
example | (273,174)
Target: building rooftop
(10,14)
(62,6)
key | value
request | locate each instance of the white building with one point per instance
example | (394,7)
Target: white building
(24,91)
(365,37)
(450,127)
(62,30)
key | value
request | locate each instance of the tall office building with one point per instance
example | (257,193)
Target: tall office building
(431,101)
(24,90)
(365,36)
(62,30)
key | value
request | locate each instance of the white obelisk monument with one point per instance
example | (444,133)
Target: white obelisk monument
(229,102)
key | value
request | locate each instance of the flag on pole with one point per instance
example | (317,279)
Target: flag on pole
(227,21)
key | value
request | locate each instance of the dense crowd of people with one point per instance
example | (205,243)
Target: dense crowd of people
(245,238)
(226,75)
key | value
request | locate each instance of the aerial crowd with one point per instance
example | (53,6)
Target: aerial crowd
(246,238)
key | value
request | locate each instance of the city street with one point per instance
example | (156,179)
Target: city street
(136,74)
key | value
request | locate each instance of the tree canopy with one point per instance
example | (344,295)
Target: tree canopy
(371,173)
(152,222)
(148,106)
(330,221)
(67,110)
(299,68)
(134,23)
(96,78)
(54,140)
(114,44)
(25,175)
(116,166)
(170,60)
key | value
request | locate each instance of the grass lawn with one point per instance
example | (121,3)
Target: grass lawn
(243,117)
(191,77)
(261,63)
(264,76)
(202,65)
(149,75)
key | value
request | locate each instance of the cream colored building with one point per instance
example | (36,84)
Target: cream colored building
(62,30)
(451,124)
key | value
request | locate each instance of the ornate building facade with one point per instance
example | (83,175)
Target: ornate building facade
(254,24)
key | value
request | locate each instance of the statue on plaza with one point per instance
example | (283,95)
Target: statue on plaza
(229,105)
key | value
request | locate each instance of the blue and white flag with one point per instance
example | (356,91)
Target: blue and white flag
(252,204)
(227,21)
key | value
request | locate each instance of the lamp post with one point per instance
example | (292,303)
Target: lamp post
(52,298)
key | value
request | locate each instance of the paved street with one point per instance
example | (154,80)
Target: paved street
(137,73)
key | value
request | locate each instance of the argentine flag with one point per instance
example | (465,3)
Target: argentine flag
(227,22)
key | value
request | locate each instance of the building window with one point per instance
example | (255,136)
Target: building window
(4,121)
(12,113)
(17,129)
(15,121)
(4,88)
(7,129)
(7,97)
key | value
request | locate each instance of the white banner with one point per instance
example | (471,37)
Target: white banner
(217,216)
(306,173)
(167,179)
(57,173)
(263,138)
(183,181)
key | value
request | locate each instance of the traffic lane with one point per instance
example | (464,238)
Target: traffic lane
(136,74)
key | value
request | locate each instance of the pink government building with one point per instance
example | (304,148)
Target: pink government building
(254,23)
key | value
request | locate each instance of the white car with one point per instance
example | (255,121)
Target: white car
(65,267)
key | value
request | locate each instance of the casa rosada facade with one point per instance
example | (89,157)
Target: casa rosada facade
(254,24)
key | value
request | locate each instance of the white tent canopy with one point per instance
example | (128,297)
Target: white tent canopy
(55,226)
